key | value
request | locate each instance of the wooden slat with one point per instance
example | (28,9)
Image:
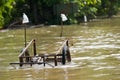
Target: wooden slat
(27,63)
(59,50)
(25,48)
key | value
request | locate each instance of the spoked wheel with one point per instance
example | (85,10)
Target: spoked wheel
(65,55)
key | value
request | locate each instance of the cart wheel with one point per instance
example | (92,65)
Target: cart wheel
(63,56)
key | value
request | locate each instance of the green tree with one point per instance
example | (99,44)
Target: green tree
(109,7)
(42,10)
(6,7)
(88,7)
(17,10)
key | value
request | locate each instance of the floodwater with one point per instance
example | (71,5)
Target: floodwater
(94,46)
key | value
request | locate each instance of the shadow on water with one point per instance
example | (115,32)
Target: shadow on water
(95,50)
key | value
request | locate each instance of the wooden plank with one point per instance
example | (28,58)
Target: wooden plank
(26,63)
(26,48)
(59,50)
(34,48)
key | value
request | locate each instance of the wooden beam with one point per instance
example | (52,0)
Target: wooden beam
(25,48)
(59,50)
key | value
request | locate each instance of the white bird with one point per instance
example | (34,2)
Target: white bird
(25,18)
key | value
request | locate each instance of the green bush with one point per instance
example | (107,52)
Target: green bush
(6,7)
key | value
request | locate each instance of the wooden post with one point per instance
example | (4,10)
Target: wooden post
(61,29)
(31,60)
(21,61)
(55,60)
(34,48)
(25,35)
(44,60)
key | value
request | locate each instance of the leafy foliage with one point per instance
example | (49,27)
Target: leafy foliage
(6,7)
(88,7)
(109,7)
(13,9)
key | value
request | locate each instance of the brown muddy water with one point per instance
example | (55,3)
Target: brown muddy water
(94,46)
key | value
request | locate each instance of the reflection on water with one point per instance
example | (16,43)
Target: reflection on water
(95,52)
